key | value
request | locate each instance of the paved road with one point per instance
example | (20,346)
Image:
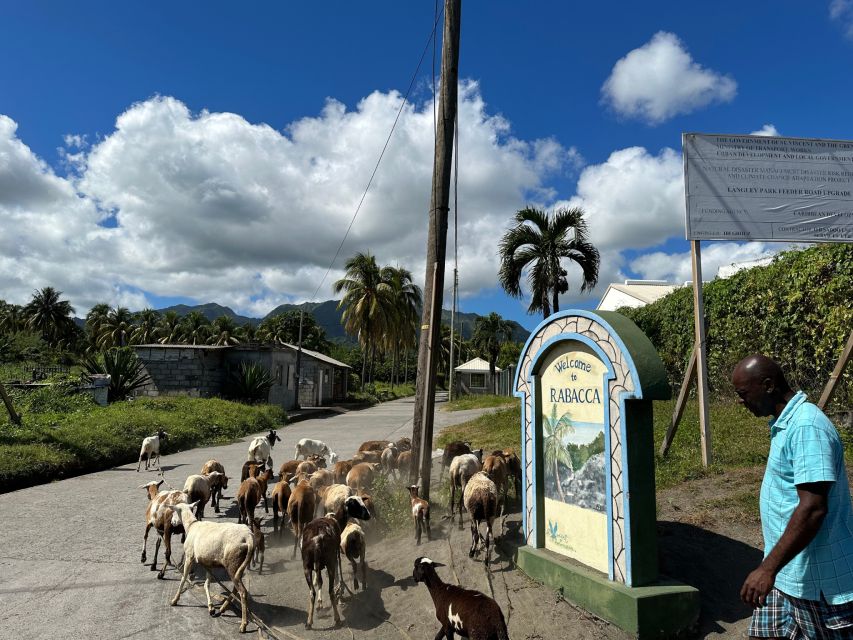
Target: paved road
(70,550)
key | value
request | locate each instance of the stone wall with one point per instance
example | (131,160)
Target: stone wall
(182,371)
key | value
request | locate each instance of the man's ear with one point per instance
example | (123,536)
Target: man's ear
(769,385)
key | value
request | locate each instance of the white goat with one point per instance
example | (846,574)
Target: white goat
(151,447)
(216,544)
(307,446)
(261,447)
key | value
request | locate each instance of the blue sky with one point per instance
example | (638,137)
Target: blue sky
(186,152)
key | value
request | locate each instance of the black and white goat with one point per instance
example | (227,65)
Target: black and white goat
(469,613)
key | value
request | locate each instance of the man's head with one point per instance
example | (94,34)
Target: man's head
(761,385)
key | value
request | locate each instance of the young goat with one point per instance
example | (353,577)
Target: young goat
(497,469)
(198,489)
(280,497)
(461,469)
(481,502)
(151,447)
(260,546)
(251,469)
(404,463)
(354,547)
(321,549)
(158,514)
(288,469)
(216,484)
(300,510)
(469,613)
(420,513)
(217,544)
(249,496)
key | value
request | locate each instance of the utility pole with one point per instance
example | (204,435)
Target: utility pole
(453,331)
(299,359)
(13,416)
(436,249)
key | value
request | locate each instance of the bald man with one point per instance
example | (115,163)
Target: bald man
(804,586)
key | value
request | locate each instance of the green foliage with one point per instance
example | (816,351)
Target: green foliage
(284,328)
(478,402)
(581,453)
(251,382)
(796,310)
(509,355)
(393,504)
(126,371)
(69,434)
(497,430)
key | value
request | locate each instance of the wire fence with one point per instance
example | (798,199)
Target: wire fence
(29,372)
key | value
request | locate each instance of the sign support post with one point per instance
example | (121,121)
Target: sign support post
(700,349)
(829,389)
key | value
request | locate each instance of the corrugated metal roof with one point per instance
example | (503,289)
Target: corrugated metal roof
(205,347)
(477,365)
(320,356)
(208,347)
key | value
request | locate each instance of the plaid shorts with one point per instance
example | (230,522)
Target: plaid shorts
(784,616)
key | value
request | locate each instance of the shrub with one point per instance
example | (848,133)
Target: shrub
(126,371)
(251,382)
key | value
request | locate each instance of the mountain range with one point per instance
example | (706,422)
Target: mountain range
(328,316)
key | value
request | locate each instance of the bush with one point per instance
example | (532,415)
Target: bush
(250,383)
(126,371)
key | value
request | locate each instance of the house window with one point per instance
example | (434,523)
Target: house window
(478,380)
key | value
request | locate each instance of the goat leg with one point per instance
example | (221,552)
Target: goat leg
(145,542)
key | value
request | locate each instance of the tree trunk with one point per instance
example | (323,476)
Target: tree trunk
(556,306)
(557,479)
(363,366)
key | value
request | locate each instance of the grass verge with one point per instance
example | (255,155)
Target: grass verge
(64,435)
(381,392)
(479,402)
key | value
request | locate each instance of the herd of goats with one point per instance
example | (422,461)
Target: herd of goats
(326,501)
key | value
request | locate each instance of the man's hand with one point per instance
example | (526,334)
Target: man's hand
(756,587)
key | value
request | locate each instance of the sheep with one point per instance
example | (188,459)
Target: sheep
(280,497)
(354,547)
(321,548)
(374,445)
(361,476)
(420,514)
(469,613)
(249,495)
(198,489)
(461,469)
(340,471)
(453,449)
(251,468)
(158,514)
(497,469)
(300,510)
(481,502)
(334,496)
(307,446)
(260,545)
(367,456)
(404,463)
(151,446)
(217,484)
(216,544)
(388,461)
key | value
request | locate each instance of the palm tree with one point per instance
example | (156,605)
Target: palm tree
(49,315)
(366,303)
(490,332)
(11,318)
(195,327)
(94,319)
(147,323)
(170,329)
(556,453)
(116,328)
(404,306)
(248,332)
(224,331)
(538,242)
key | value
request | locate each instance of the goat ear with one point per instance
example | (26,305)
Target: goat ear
(438,564)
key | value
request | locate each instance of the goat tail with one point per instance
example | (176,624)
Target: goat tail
(241,508)
(250,553)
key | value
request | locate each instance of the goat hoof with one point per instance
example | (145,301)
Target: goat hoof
(160,576)
(153,567)
(143,558)
(211,612)
(471,553)
(307,625)
(215,613)
(242,628)
(338,624)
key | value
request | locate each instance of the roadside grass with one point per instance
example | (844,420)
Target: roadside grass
(738,439)
(381,392)
(67,434)
(478,402)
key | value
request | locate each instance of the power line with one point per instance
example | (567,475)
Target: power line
(385,146)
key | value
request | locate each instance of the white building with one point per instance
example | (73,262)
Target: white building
(634,293)
(474,378)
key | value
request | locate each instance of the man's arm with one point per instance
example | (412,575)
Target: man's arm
(803,526)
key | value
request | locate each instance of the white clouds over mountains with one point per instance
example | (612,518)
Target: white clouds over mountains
(660,80)
(213,207)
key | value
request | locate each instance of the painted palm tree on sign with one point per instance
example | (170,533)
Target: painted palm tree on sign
(366,303)
(538,243)
(556,430)
(490,332)
(145,331)
(50,316)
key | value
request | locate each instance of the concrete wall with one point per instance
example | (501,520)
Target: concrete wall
(614,299)
(191,372)
(281,365)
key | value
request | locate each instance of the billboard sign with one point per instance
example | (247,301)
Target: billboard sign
(742,187)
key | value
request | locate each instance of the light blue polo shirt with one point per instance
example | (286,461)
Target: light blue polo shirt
(805,447)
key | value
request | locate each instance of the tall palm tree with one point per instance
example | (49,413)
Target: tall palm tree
(490,332)
(224,331)
(366,303)
(538,242)
(147,323)
(248,332)
(116,328)
(170,330)
(556,430)
(94,319)
(403,308)
(11,317)
(49,315)
(196,328)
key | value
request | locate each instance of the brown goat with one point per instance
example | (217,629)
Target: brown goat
(374,445)
(404,444)
(260,545)
(367,456)
(513,464)
(420,514)
(497,469)
(404,463)
(300,509)
(361,476)
(249,495)
(158,515)
(354,547)
(251,469)
(340,471)
(217,483)
(288,470)
(453,449)
(321,478)
(280,497)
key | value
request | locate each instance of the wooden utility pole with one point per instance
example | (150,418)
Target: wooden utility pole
(436,249)
(13,415)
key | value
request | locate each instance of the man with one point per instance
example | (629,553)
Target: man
(804,586)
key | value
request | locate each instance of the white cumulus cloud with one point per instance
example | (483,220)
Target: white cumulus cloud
(676,267)
(766,130)
(842,12)
(660,80)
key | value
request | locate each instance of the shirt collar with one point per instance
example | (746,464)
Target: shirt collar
(781,421)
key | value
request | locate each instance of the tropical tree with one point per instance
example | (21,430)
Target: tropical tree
(116,328)
(224,331)
(170,329)
(11,318)
(556,430)
(147,324)
(127,372)
(50,316)
(248,332)
(404,303)
(366,303)
(490,333)
(195,328)
(283,328)
(94,319)
(538,242)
